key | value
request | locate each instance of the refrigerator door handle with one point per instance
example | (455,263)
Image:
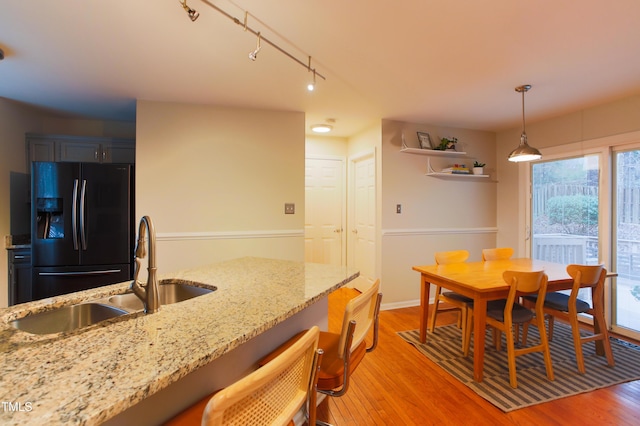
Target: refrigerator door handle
(83,235)
(103,272)
(74,214)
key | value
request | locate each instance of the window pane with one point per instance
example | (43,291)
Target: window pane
(565,212)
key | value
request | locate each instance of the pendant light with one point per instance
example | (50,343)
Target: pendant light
(524,152)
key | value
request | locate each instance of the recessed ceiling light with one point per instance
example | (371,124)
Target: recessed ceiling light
(321,128)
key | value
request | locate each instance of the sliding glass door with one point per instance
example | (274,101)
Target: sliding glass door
(625,295)
(585,208)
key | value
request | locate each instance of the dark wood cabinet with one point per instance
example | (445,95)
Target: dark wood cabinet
(20,289)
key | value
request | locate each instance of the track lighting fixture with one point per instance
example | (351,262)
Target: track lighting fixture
(253,55)
(524,152)
(193,14)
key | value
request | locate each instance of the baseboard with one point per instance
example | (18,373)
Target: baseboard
(398,305)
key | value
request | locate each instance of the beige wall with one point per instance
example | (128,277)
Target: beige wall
(16,120)
(215,180)
(437,214)
(326,145)
(614,118)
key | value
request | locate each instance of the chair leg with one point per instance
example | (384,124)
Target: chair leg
(497,339)
(467,335)
(598,318)
(436,300)
(544,341)
(577,342)
(511,356)
(464,313)
(525,333)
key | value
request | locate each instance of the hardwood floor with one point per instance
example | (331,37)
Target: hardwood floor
(396,385)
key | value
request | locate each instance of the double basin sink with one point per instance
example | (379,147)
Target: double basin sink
(81,315)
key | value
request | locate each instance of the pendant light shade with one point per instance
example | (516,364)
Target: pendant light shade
(524,152)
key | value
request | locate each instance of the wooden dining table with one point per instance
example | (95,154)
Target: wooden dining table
(482,282)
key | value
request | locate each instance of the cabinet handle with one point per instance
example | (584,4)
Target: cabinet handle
(19,256)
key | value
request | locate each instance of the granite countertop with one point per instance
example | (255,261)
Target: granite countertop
(90,375)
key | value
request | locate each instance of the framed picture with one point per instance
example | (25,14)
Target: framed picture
(425,140)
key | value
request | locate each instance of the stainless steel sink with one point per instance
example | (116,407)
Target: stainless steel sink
(170,292)
(67,318)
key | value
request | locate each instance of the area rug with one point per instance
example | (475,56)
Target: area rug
(444,348)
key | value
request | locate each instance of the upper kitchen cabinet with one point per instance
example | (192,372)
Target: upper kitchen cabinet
(80,149)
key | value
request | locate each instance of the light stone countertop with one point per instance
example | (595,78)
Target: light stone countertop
(90,375)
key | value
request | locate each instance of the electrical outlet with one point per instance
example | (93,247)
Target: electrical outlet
(398,208)
(289,208)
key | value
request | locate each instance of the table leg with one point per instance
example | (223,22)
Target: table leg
(479,324)
(424,307)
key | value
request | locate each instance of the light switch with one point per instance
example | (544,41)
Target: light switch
(398,208)
(289,208)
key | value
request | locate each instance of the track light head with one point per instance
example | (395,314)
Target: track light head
(193,14)
(312,84)
(254,55)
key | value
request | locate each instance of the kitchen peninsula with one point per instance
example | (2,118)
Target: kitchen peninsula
(111,368)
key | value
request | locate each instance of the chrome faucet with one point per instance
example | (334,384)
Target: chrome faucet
(149,294)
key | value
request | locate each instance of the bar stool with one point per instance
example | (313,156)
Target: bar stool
(343,352)
(272,394)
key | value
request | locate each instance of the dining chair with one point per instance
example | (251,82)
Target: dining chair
(503,315)
(457,300)
(343,352)
(498,253)
(568,307)
(273,394)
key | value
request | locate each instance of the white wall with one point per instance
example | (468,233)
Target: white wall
(614,118)
(437,214)
(215,180)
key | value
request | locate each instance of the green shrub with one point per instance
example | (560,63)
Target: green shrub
(576,213)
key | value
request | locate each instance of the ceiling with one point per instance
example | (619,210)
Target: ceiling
(444,62)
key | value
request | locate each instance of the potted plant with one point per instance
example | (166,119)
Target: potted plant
(447,144)
(478,168)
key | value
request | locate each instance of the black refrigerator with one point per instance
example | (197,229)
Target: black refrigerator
(81,226)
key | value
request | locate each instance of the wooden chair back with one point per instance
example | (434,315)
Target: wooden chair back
(272,394)
(523,283)
(499,253)
(363,310)
(587,275)
(448,257)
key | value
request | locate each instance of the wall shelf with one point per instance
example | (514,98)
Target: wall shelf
(432,152)
(431,172)
(455,175)
(435,153)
